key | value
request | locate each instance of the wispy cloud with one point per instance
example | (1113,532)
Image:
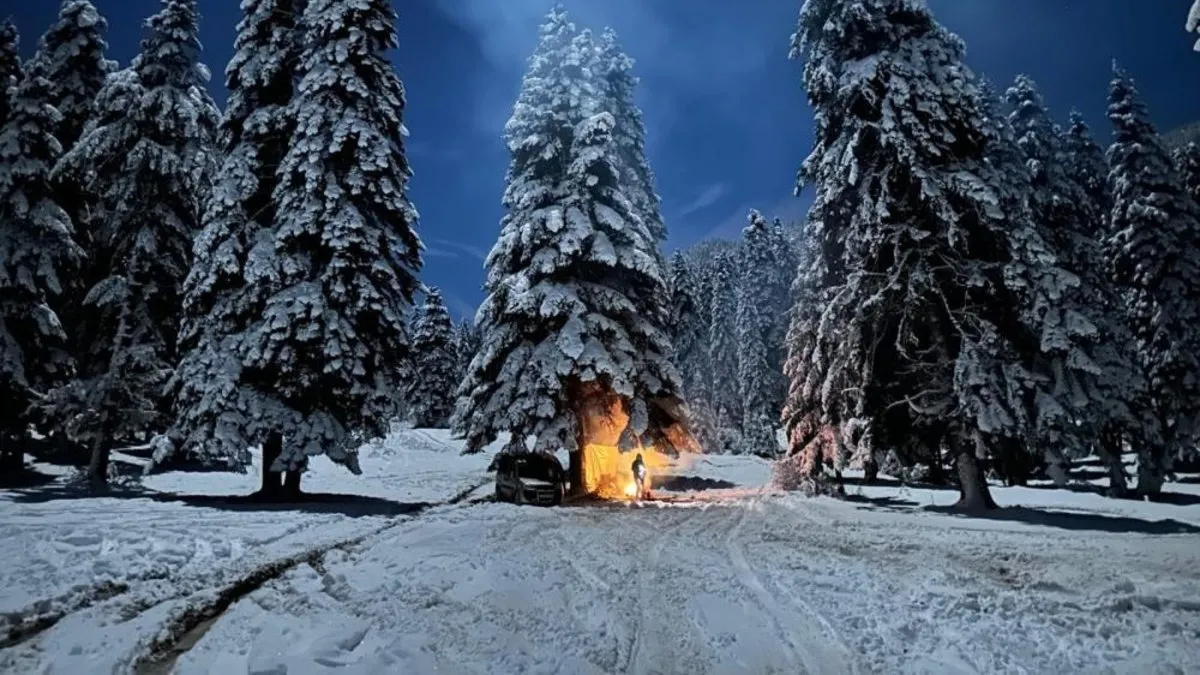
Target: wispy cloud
(468,249)
(709,196)
(435,252)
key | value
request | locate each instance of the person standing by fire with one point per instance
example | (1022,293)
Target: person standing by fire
(639,476)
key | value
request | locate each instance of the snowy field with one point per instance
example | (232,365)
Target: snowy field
(737,579)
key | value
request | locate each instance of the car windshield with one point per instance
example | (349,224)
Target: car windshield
(537,470)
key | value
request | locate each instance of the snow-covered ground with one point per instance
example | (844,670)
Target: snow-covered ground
(741,580)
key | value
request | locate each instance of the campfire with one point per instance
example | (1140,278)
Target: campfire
(607,471)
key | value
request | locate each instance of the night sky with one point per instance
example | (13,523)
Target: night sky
(724,109)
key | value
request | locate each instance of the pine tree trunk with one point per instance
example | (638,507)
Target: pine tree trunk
(98,466)
(972,485)
(870,471)
(271,480)
(575,473)
(1150,477)
(12,455)
(1109,449)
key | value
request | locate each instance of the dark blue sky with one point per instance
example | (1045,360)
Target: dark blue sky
(724,109)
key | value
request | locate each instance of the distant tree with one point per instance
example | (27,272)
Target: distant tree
(1087,164)
(37,256)
(575,316)
(145,160)
(466,346)
(10,67)
(1155,228)
(431,389)
(759,380)
(629,134)
(1187,158)
(723,343)
(687,327)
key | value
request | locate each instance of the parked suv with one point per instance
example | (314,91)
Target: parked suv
(530,479)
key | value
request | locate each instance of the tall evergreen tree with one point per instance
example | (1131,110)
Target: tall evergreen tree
(145,160)
(930,321)
(1059,207)
(1187,158)
(723,343)
(1088,166)
(574,320)
(629,135)
(466,346)
(37,255)
(1156,229)
(431,390)
(10,67)
(689,330)
(332,275)
(72,54)
(759,380)
(221,408)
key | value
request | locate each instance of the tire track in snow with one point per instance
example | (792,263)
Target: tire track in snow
(187,627)
(635,664)
(810,652)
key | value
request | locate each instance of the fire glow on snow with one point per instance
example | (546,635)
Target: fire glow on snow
(608,472)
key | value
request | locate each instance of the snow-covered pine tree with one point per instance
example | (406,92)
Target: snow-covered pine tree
(223,409)
(72,54)
(145,160)
(723,343)
(1087,165)
(1083,163)
(10,67)
(930,319)
(1072,321)
(783,267)
(332,275)
(466,345)
(689,331)
(1187,159)
(37,255)
(431,391)
(629,135)
(759,380)
(574,319)
(1155,231)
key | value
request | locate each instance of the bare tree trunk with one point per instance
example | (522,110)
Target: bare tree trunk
(271,480)
(870,471)
(575,472)
(12,455)
(98,466)
(972,485)
(1150,477)
(1109,449)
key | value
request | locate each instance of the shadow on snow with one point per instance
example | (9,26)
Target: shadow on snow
(354,506)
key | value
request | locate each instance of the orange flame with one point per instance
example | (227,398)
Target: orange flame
(608,472)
